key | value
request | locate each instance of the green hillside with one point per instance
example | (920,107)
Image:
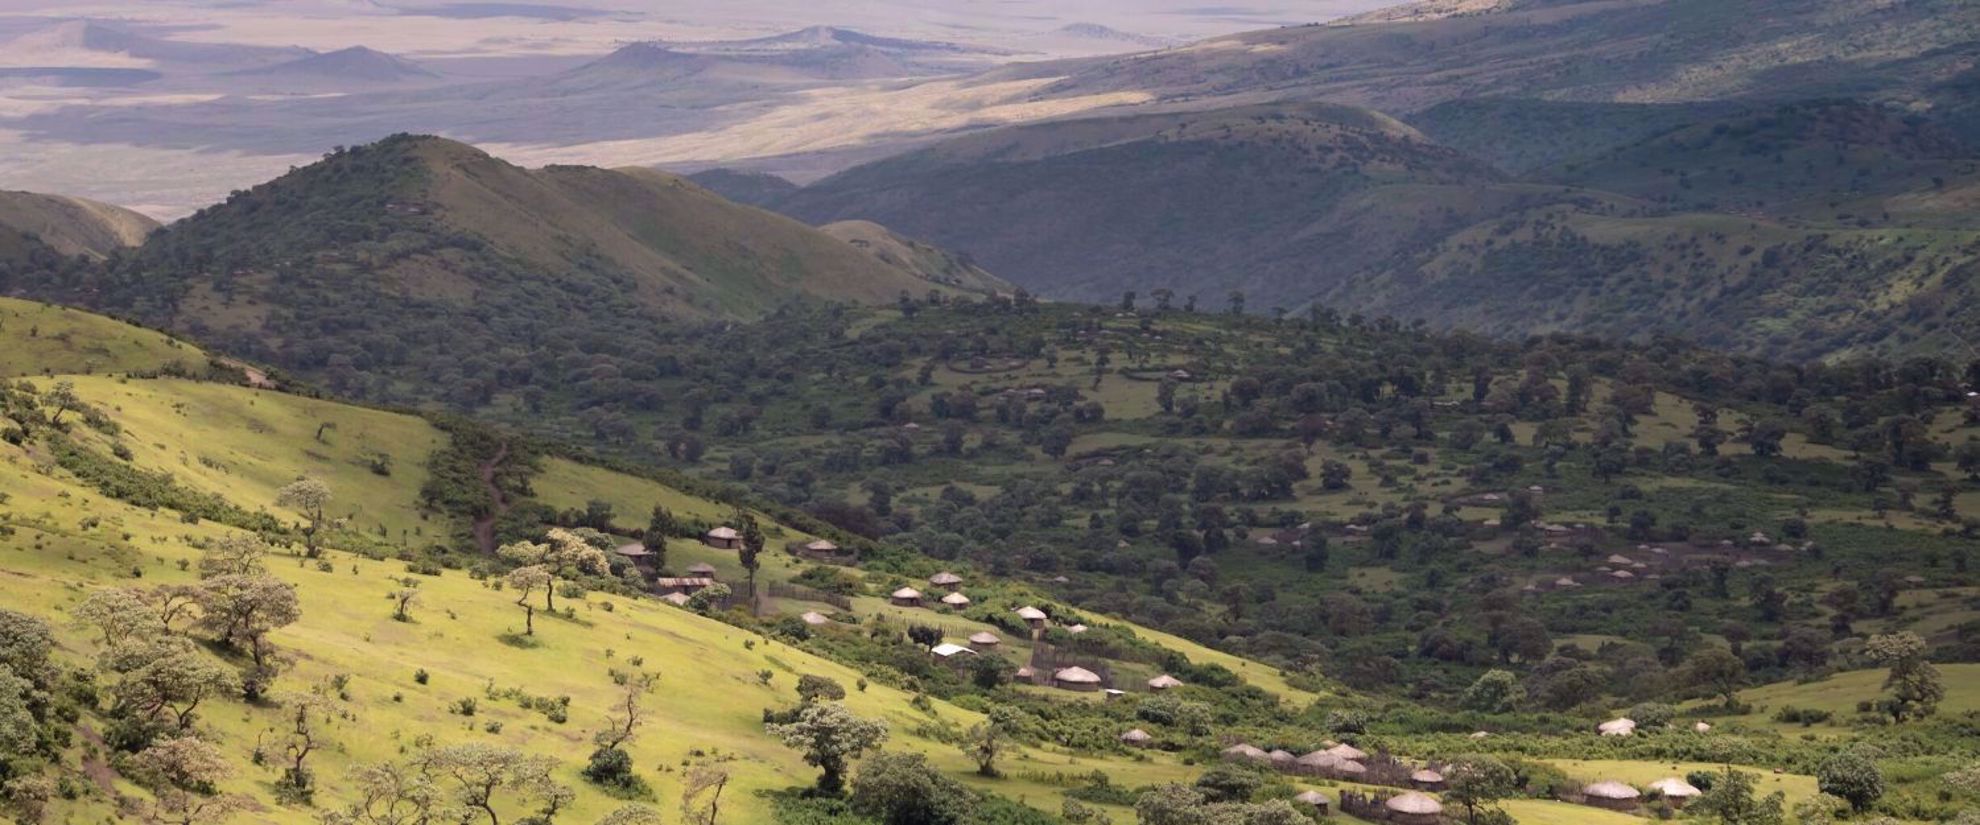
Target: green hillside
(384,270)
(44,339)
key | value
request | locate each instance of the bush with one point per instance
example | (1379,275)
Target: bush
(1802,716)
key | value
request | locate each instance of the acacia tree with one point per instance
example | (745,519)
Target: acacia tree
(829,736)
(64,399)
(484,774)
(610,764)
(1731,800)
(986,740)
(181,773)
(1916,686)
(563,554)
(701,794)
(238,554)
(1718,670)
(526,580)
(240,610)
(310,496)
(116,613)
(164,675)
(1476,781)
(304,719)
(393,794)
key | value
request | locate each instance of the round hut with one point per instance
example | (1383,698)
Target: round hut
(1315,800)
(822,547)
(1612,795)
(946,579)
(1676,790)
(722,538)
(1349,769)
(1317,763)
(1348,753)
(1414,808)
(1702,727)
(1617,727)
(814,618)
(703,570)
(1076,678)
(1427,780)
(906,597)
(1137,738)
(1246,753)
(1164,682)
(984,641)
(956,600)
(1033,616)
(1282,760)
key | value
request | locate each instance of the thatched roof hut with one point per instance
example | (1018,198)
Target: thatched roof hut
(822,546)
(906,597)
(1076,678)
(946,579)
(956,600)
(704,570)
(1283,760)
(1318,762)
(1032,615)
(1164,682)
(1242,752)
(1427,780)
(1348,752)
(1350,769)
(1137,738)
(1027,673)
(1702,727)
(984,639)
(814,618)
(725,538)
(1315,800)
(1413,808)
(1612,795)
(1676,790)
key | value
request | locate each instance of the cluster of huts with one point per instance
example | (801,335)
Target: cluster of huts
(1341,761)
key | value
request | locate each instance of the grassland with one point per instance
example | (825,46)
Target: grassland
(44,339)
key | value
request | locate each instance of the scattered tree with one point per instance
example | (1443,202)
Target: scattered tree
(829,736)
(310,496)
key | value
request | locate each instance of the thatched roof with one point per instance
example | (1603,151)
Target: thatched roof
(1247,752)
(1314,798)
(1136,735)
(814,618)
(947,649)
(1479,734)
(634,551)
(1077,675)
(1674,787)
(907,593)
(984,638)
(1281,757)
(1411,802)
(675,599)
(1031,614)
(1164,682)
(1617,727)
(702,570)
(1026,672)
(1345,751)
(1076,629)
(1351,766)
(1702,727)
(945,578)
(956,600)
(1610,789)
(822,546)
(724,533)
(1426,776)
(1319,759)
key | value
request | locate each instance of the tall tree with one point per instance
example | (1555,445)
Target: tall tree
(310,496)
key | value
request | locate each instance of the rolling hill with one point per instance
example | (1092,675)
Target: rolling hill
(73,226)
(1238,199)
(411,257)
(455,667)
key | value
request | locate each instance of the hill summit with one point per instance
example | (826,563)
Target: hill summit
(420,254)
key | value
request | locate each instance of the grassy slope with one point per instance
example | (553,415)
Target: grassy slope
(74,226)
(709,696)
(1839,694)
(245,443)
(43,339)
